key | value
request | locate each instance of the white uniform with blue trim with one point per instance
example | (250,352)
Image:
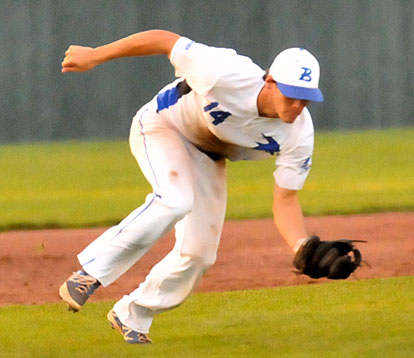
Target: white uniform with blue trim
(180,140)
(220,113)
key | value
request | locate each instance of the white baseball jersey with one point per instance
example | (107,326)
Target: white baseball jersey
(214,105)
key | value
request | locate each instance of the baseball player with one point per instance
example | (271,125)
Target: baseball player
(222,106)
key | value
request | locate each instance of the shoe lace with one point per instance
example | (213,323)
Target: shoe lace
(86,283)
(131,335)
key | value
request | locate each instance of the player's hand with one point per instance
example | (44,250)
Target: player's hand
(79,59)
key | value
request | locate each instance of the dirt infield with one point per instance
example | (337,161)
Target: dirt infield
(252,254)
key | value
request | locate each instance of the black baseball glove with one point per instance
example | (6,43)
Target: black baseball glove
(331,259)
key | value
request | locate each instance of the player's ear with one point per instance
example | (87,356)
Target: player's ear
(269,81)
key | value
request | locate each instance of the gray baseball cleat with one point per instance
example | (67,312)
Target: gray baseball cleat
(76,290)
(130,336)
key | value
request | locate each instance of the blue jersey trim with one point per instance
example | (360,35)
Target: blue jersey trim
(171,96)
(167,98)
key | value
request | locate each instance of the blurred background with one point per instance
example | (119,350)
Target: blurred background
(365,48)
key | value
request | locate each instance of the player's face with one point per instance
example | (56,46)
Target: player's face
(287,108)
(273,104)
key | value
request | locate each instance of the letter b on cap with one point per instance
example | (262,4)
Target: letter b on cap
(306,75)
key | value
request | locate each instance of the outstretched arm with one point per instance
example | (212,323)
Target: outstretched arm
(315,258)
(288,216)
(152,42)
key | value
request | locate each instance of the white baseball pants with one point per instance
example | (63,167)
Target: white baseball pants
(189,192)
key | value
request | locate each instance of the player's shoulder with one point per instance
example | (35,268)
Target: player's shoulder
(301,131)
(306,115)
(304,122)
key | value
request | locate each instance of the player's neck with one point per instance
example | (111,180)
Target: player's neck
(265,106)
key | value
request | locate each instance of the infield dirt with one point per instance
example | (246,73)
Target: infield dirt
(33,264)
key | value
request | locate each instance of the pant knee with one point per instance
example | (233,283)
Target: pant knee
(178,204)
(203,262)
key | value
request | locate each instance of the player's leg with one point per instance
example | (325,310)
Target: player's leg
(171,281)
(166,164)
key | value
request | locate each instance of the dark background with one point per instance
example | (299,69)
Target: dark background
(365,49)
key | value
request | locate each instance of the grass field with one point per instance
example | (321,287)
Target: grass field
(75,184)
(372,318)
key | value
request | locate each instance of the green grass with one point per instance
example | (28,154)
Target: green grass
(75,184)
(371,318)
(352,172)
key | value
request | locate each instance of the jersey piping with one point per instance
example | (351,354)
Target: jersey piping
(171,96)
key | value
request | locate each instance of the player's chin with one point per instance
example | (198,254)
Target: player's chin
(289,119)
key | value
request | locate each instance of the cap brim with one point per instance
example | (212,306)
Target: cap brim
(309,94)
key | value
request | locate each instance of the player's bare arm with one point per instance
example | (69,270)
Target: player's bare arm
(152,42)
(288,215)
(315,258)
